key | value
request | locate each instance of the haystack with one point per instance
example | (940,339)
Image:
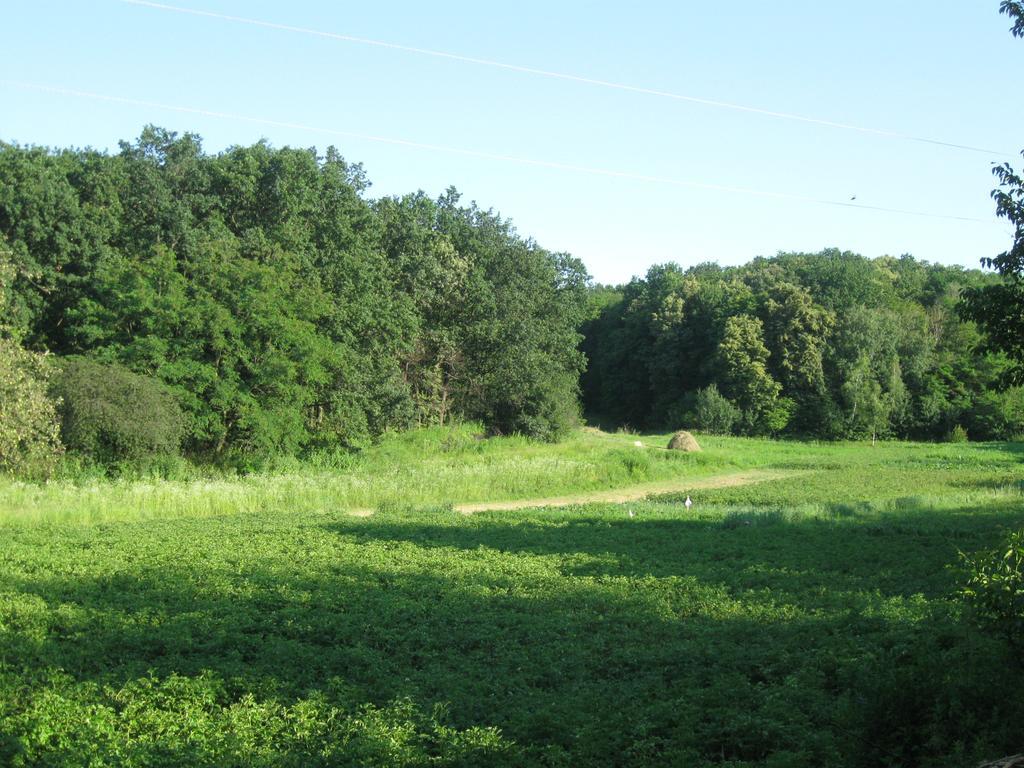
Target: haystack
(683,441)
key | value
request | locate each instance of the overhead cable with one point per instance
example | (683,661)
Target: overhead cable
(565,76)
(607,172)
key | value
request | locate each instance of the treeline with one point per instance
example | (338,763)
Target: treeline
(257,302)
(277,306)
(830,344)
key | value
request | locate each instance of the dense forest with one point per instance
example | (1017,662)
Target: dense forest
(258,302)
(830,345)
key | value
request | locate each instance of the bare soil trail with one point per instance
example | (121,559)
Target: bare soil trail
(620,495)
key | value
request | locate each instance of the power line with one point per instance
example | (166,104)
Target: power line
(564,76)
(555,165)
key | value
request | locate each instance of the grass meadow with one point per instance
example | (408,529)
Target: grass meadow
(426,467)
(807,620)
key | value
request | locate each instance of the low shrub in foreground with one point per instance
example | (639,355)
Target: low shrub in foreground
(994,589)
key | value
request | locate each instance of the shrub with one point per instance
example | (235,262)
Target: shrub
(29,428)
(713,412)
(780,415)
(111,414)
(995,415)
(537,403)
(958,435)
(993,587)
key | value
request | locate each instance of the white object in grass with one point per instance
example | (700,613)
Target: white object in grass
(688,502)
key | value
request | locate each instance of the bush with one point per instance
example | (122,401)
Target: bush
(993,587)
(996,415)
(714,413)
(112,415)
(780,415)
(29,427)
(538,403)
(958,435)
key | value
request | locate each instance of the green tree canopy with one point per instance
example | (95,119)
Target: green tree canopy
(282,307)
(856,346)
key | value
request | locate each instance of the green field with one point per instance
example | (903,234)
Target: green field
(426,467)
(809,620)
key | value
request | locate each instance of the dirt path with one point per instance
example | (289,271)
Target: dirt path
(619,495)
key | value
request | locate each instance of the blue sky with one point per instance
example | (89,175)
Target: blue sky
(944,70)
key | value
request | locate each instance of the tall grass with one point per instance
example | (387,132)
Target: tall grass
(440,466)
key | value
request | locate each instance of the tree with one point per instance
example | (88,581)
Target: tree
(251,282)
(29,429)
(495,318)
(519,340)
(655,346)
(999,309)
(713,413)
(743,359)
(797,334)
(865,362)
(868,408)
(686,327)
(1015,10)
